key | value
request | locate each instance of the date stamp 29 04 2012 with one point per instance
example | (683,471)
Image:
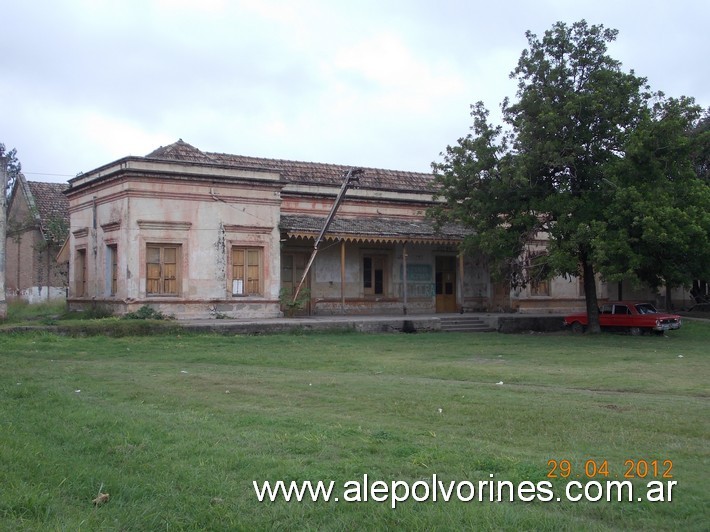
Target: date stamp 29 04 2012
(593,468)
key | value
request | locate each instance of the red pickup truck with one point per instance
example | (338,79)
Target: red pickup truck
(630,316)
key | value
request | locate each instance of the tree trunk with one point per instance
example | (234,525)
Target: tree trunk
(590,296)
(669,302)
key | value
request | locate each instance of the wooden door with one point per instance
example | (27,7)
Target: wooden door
(445,284)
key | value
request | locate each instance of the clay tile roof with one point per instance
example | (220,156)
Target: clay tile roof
(51,204)
(332,174)
(300,172)
(368,228)
(180,151)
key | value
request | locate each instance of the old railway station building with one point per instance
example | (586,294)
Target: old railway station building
(196,235)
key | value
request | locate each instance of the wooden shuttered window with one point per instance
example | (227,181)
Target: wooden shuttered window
(247,271)
(80,273)
(112,251)
(162,270)
(539,273)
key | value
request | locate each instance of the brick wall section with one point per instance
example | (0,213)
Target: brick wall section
(36,209)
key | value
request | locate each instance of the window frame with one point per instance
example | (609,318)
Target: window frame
(251,286)
(540,288)
(539,273)
(112,268)
(80,272)
(369,286)
(176,278)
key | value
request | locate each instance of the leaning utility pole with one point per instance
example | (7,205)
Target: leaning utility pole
(3,233)
(351,176)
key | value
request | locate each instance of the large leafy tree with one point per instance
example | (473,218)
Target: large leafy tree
(550,174)
(656,227)
(701,147)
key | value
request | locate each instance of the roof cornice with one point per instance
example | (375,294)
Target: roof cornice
(181,169)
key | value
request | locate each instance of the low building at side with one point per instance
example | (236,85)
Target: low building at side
(37,226)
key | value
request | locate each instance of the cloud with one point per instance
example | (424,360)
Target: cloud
(116,137)
(209,6)
(370,83)
(389,72)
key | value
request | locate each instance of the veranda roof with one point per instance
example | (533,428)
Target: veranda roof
(371,229)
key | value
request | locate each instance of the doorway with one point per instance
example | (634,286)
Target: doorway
(292,267)
(445,284)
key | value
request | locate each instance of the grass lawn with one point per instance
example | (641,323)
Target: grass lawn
(176,428)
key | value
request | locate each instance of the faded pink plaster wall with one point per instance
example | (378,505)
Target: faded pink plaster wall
(204,218)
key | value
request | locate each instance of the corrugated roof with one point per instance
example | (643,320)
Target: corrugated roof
(301,172)
(370,229)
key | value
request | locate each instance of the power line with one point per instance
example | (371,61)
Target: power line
(45,173)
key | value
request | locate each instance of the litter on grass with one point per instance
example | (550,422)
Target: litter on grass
(101,499)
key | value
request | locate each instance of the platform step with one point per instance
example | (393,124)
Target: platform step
(464,324)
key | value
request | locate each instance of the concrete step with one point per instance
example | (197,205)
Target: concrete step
(464,324)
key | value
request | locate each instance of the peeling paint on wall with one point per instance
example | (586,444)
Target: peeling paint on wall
(221,257)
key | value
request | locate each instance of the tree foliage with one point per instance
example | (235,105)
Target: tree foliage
(13,166)
(701,147)
(549,174)
(9,174)
(656,226)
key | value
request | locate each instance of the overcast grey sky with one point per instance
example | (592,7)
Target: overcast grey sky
(370,83)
